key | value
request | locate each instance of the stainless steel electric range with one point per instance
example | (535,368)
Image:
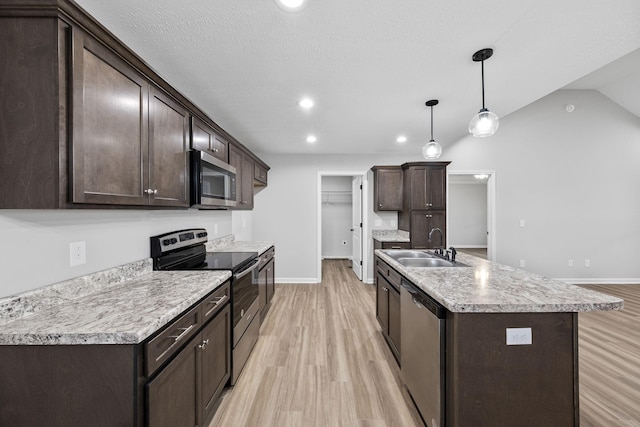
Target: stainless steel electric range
(186,250)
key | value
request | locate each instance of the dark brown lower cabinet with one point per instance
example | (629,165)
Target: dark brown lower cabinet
(378,244)
(108,385)
(388,312)
(185,392)
(266,281)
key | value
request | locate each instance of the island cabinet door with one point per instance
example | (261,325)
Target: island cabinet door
(172,396)
(109,135)
(394,321)
(216,360)
(382,302)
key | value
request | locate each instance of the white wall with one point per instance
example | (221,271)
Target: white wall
(287,213)
(579,200)
(34,244)
(467,210)
(337,210)
(575,180)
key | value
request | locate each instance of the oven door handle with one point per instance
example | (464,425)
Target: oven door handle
(248,270)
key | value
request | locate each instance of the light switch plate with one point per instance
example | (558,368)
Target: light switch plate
(519,336)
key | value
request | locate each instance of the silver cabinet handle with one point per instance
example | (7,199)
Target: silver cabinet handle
(215,303)
(204,344)
(379,205)
(155,191)
(148,191)
(176,338)
(385,289)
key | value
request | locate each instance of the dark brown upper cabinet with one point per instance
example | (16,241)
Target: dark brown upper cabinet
(129,139)
(424,202)
(205,138)
(387,188)
(87,123)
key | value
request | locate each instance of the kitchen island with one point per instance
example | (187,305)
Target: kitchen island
(529,381)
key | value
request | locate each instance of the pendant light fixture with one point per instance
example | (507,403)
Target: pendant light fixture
(485,123)
(432,149)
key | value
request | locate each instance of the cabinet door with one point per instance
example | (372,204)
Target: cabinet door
(388,189)
(437,187)
(422,222)
(168,149)
(262,290)
(394,321)
(216,359)
(418,185)
(220,148)
(172,396)
(271,280)
(382,302)
(109,129)
(248,165)
(202,136)
(235,160)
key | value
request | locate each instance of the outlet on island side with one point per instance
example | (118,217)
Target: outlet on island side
(519,336)
(77,253)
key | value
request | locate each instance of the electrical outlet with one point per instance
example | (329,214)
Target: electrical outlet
(522,223)
(587,263)
(378,222)
(77,253)
(519,336)
(393,223)
(570,263)
(522,263)
(215,228)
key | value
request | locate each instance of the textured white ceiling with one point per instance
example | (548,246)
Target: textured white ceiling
(369,64)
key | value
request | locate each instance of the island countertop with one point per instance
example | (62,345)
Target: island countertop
(125,313)
(489,287)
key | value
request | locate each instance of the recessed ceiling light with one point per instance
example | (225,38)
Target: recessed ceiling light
(291,5)
(401,139)
(311,139)
(306,103)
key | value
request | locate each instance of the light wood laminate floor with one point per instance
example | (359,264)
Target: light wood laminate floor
(321,361)
(610,361)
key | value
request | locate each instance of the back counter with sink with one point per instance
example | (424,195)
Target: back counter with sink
(507,340)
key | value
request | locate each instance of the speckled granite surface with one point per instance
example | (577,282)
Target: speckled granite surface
(124,313)
(488,287)
(391,235)
(233,246)
(33,301)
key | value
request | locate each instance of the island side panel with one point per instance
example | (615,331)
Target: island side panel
(490,383)
(53,385)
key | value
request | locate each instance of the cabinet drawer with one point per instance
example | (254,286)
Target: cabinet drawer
(215,301)
(168,342)
(396,245)
(392,276)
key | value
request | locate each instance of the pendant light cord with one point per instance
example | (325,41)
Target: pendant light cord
(431,123)
(482,66)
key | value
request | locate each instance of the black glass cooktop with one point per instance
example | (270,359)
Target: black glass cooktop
(234,261)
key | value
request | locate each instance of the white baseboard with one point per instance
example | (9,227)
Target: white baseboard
(598,281)
(306,280)
(336,257)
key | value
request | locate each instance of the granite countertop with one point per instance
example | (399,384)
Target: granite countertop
(123,313)
(391,235)
(489,287)
(253,246)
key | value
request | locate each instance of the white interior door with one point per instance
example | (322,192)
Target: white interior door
(356,225)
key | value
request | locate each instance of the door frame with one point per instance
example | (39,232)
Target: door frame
(365,219)
(491,207)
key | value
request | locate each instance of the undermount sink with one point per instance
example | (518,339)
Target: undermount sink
(429,262)
(407,254)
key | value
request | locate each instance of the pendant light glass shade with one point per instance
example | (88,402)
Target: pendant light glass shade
(432,149)
(483,124)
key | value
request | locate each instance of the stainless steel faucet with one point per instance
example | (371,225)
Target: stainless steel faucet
(441,240)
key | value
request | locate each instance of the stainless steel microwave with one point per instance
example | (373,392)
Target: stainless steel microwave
(213,182)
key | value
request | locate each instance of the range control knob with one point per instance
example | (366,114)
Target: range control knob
(166,242)
(174,240)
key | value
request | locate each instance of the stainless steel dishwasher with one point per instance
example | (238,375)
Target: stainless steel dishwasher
(422,339)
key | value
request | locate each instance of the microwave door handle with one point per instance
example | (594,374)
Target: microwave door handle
(246,271)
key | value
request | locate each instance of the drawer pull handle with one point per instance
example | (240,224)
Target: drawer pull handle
(216,302)
(204,344)
(176,339)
